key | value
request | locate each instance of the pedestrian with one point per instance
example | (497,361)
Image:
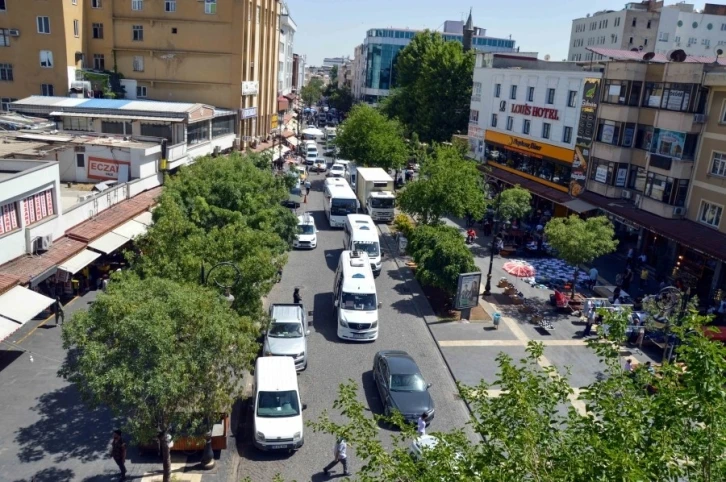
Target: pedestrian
(421,425)
(643,277)
(59,314)
(627,278)
(590,321)
(593,277)
(296,297)
(616,293)
(104,283)
(642,259)
(470,235)
(340,457)
(629,365)
(118,452)
(308,185)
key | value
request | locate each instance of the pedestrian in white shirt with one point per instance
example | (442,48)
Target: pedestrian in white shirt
(340,456)
(593,277)
(421,425)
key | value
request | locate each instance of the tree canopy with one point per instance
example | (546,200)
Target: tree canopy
(312,91)
(220,209)
(370,139)
(341,99)
(639,426)
(334,75)
(448,184)
(514,203)
(432,87)
(166,357)
(579,241)
(441,255)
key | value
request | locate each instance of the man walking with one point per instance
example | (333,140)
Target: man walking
(59,314)
(593,277)
(421,425)
(118,452)
(340,457)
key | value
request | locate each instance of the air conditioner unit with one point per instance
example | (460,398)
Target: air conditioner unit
(625,194)
(699,118)
(84,197)
(679,211)
(43,243)
(14,32)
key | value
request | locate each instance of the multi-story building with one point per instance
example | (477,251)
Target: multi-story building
(298,72)
(358,71)
(650,26)
(218,53)
(345,76)
(285,67)
(381,46)
(645,159)
(523,123)
(333,61)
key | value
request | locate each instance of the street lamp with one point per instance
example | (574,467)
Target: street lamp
(488,287)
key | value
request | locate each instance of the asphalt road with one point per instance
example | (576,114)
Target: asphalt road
(333,361)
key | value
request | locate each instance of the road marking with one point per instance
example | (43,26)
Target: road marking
(44,322)
(485,343)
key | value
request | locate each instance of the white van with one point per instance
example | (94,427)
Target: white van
(355,299)
(362,235)
(340,201)
(278,421)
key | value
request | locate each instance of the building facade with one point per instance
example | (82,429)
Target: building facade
(358,71)
(333,61)
(698,33)
(345,76)
(212,52)
(285,61)
(524,121)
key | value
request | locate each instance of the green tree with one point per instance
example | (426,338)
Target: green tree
(341,99)
(448,185)
(334,75)
(312,91)
(513,203)
(579,241)
(371,139)
(166,357)
(432,87)
(441,255)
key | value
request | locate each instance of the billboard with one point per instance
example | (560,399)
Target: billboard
(103,169)
(668,143)
(585,134)
(467,291)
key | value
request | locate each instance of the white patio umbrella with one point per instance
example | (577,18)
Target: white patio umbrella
(312,131)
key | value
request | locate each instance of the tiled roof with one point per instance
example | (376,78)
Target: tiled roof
(7,282)
(689,233)
(27,267)
(114,216)
(617,54)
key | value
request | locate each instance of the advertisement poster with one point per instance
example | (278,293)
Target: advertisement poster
(608,133)
(586,125)
(628,134)
(467,292)
(621,177)
(668,143)
(103,169)
(601,174)
(579,170)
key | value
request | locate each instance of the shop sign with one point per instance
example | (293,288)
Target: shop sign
(601,174)
(273,122)
(668,143)
(248,113)
(537,148)
(103,169)
(579,170)
(588,109)
(544,112)
(250,87)
(621,177)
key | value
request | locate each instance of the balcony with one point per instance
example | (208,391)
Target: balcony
(608,152)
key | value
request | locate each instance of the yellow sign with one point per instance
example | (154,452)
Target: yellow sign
(531,147)
(273,122)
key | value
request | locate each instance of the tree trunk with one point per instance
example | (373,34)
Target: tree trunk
(165,457)
(574,283)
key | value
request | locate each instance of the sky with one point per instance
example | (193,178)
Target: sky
(332,28)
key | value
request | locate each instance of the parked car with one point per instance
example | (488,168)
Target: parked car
(295,196)
(287,334)
(401,385)
(320,166)
(336,170)
(307,236)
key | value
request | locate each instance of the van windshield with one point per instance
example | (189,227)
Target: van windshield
(342,207)
(285,330)
(370,247)
(359,302)
(377,203)
(278,404)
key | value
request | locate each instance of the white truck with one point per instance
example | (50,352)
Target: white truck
(374,189)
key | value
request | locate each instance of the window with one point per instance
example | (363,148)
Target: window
(648,24)
(670,96)
(77,124)
(636,179)
(222,126)
(80,159)
(510,123)
(476,90)
(140,91)
(494,120)
(718,164)
(513,92)
(170,5)
(550,96)
(663,37)
(137,4)
(572,98)
(5,103)
(4,37)
(567,135)
(552,171)
(138,63)
(616,22)
(615,91)
(630,41)
(3,7)
(474,116)
(608,132)
(43,24)
(97,30)
(546,130)
(198,133)
(497,90)
(635,21)
(173,30)
(95,3)
(76,28)
(526,126)
(645,41)
(706,42)
(210,8)
(8,217)
(666,189)
(38,206)
(6,72)
(46,89)
(710,214)
(46,59)
(115,127)
(157,130)
(99,62)
(530,94)
(259,12)
(138,33)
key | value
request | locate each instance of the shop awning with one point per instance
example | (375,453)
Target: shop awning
(579,206)
(79,261)
(7,327)
(131,229)
(146,218)
(293,141)
(108,243)
(22,305)
(278,153)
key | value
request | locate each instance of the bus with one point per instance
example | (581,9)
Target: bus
(340,201)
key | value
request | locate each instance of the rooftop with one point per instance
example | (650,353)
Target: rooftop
(13,167)
(616,54)
(38,145)
(13,121)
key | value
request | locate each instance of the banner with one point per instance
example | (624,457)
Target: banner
(467,291)
(585,134)
(668,143)
(103,169)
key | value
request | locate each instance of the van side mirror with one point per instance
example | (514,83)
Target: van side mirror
(305,406)
(383,253)
(428,385)
(380,304)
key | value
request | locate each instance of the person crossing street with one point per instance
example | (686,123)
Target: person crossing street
(341,456)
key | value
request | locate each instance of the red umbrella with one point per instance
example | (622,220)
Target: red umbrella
(521,269)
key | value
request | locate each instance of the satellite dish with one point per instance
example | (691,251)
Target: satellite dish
(640,48)
(633,49)
(719,52)
(649,56)
(677,55)
(547,57)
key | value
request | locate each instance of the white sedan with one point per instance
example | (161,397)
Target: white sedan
(336,170)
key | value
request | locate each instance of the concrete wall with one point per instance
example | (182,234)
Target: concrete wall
(142,162)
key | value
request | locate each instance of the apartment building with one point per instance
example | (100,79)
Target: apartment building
(211,52)
(288,27)
(345,76)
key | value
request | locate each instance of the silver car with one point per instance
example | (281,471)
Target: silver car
(287,334)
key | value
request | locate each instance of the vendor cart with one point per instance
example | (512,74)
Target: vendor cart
(188,444)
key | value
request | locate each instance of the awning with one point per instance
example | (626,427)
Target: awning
(108,243)
(145,218)
(79,261)
(131,229)
(22,305)
(282,103)
(579,206)
(293,141)
(7,327)
(277,153)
